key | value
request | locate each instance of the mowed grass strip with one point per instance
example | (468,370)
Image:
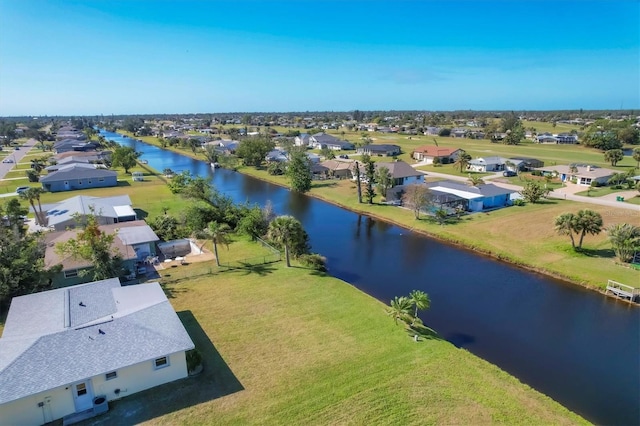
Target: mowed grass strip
(310,349)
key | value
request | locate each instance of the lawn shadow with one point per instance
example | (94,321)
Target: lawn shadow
(216,381)
(604,253)
(123,183)
(324,184)
(171,290)
(262,269)
(423,332)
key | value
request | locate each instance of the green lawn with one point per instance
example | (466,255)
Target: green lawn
(602,190)
(289,346)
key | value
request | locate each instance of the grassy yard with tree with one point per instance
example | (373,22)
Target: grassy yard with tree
(290,346)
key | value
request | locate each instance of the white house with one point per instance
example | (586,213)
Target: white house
(71,350)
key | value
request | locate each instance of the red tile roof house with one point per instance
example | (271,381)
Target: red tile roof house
(428,153)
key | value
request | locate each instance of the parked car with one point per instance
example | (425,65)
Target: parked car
(7,160)
(343,156)
(21,189)
(509,173)
(17,148)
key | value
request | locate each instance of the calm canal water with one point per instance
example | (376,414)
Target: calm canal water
(577,346)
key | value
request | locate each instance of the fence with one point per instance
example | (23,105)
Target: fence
(272,257)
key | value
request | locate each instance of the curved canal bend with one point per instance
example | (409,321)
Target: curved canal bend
(577,346)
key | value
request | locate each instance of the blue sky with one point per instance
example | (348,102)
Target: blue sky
(124,57)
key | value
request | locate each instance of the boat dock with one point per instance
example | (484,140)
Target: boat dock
(624,291)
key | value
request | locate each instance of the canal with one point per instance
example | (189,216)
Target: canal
(577,346)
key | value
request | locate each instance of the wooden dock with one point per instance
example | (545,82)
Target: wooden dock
(624,291)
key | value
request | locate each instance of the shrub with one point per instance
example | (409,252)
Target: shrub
(314,261)
(595,184)
(194,359)
(518,202)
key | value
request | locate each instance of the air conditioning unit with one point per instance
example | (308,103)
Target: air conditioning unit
(100,404)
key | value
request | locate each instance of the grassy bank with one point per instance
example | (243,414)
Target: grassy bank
(521,235)
(287,346)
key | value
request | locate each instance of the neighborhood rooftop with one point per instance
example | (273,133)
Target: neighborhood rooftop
(60,336)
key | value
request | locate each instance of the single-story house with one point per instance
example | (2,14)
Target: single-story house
(338,169)
(91,156)
(107,210)
(323,140)
(486,164)
(72,350)
(481,197)
(67,145)
(78,176)
(432,131)
(458,133)
(70,133)
(581,175)
(302,140)
(382,150)
(277,155)
(134,241)
(428,153)
(526,163)
(401,172)
(561,138)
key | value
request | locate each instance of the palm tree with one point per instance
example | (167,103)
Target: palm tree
(218,234)
(564,226)
(32,195)
(475,180)
(285,230)
(587,222)
(400,309)
(625,239)
(420,301)
(462,161)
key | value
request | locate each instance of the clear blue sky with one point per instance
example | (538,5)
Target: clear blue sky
(124,57)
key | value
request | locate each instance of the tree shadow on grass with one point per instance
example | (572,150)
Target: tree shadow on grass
(216,381)
(423,332)
(171,290)
(247,268)
(603,253)
(324,184)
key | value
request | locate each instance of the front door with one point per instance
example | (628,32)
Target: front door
(82,396)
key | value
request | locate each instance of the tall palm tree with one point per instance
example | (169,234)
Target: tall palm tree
(420,301)
(218,234)
(564,226)
(400,309)
(587,222)
(32,195)
(462,161)
(285,230)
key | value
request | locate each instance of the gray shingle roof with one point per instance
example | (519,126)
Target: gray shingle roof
(138,325)
(77,171)
(486,190)
(82,204)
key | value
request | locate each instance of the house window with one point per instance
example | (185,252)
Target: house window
(81,389)
(72,273)
(79,182)
(111,375)
(101,180)
(161,362)
(89,182)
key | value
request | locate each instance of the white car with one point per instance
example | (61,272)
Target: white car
(7,160)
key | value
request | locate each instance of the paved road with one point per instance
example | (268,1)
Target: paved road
(16,156)
(562,193)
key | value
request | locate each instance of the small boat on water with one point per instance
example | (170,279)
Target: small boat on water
(214,165)
(144,162)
